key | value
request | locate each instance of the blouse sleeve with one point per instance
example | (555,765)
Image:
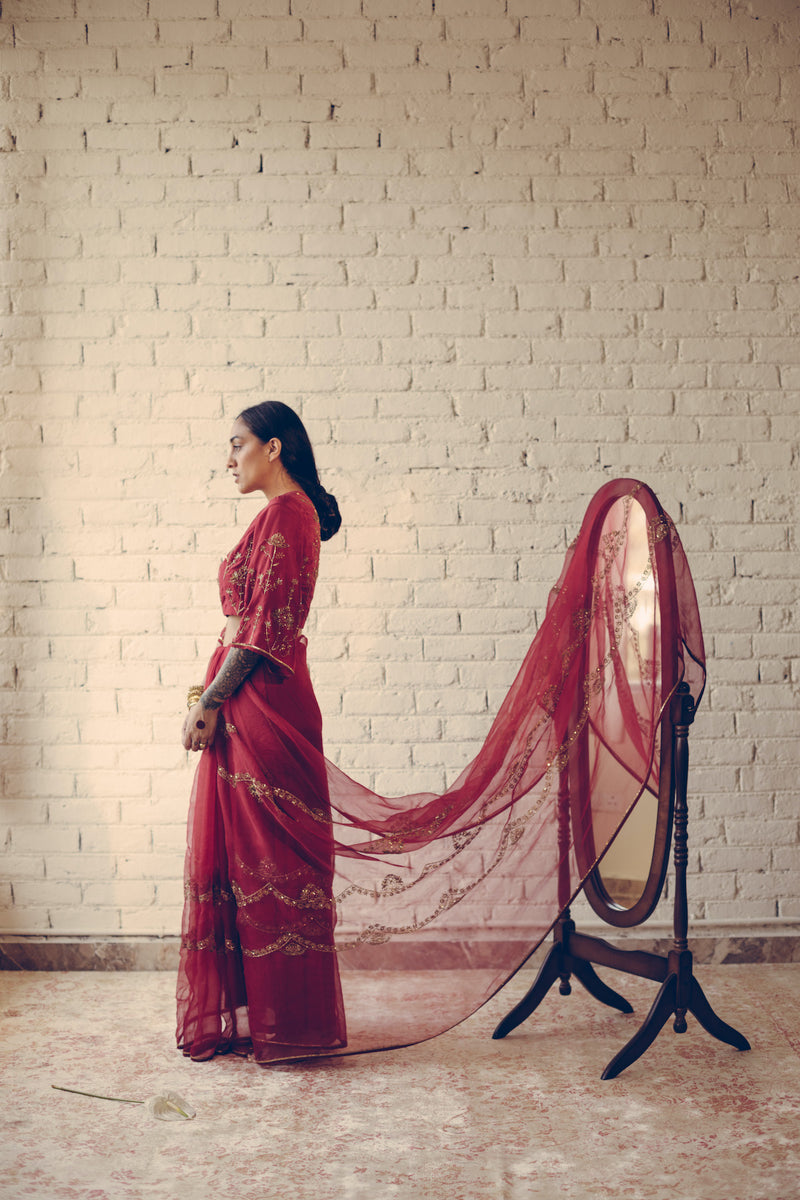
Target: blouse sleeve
(277,583)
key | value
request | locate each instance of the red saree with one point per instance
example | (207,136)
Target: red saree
(307,894)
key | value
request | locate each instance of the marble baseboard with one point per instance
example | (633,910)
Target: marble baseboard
(715,945)
(88,954)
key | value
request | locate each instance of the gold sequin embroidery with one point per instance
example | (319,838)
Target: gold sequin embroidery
(264,792)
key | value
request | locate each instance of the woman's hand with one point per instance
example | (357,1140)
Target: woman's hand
(199,727)
(201,723)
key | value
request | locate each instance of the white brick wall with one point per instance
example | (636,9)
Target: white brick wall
(495,252)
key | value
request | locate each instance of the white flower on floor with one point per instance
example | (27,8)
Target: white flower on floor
(169,1106)
(166,1106)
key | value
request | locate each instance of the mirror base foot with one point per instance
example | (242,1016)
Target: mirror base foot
(677,984)
(560,964)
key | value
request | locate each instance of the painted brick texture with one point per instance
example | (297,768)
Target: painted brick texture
(495,253)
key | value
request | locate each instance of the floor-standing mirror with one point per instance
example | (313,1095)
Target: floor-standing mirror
(624,885)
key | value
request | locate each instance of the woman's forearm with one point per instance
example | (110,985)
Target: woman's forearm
(231,675)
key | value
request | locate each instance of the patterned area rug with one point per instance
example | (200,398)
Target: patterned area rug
(461,1117)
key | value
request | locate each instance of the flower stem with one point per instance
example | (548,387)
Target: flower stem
(95,1095)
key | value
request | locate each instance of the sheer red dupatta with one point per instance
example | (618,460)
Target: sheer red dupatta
(474,878)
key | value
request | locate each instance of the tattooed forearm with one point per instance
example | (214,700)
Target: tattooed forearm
(231,675)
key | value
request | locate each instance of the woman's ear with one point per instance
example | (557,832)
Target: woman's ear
(273,449)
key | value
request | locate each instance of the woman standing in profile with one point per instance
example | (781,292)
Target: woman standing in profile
(258,967)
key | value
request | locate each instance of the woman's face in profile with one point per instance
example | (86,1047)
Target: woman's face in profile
(251,461)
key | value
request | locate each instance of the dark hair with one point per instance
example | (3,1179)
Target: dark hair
(275,420)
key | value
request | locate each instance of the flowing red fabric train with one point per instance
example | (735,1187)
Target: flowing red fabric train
(308,895)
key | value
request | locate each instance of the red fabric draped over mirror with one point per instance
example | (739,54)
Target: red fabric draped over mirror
(309,898)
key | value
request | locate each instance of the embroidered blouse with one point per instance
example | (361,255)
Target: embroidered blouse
(268,579)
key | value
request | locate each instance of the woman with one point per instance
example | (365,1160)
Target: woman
(283,847)
(257,964)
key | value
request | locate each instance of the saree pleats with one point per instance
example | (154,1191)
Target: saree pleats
(258,963)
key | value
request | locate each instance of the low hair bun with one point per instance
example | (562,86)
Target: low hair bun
(330,519)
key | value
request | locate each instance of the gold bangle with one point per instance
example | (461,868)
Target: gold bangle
(194,694)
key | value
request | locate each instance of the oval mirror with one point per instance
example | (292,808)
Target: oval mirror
(625,886)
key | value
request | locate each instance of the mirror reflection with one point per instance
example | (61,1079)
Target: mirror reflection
(626,866)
